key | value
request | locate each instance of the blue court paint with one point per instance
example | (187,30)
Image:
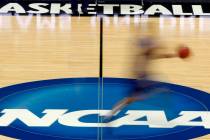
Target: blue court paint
(79,94)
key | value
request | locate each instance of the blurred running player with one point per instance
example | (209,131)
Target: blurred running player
(149,50)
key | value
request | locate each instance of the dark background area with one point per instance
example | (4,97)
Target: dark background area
(158,1)
(117,1)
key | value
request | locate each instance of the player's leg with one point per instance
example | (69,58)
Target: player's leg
(119,106)
(122,104)
(133,96)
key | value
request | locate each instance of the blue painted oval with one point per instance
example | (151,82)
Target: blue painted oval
(84,94)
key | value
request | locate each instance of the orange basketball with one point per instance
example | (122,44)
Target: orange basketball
(183,51)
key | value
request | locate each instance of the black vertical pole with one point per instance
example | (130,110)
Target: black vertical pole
(101,75)
(101,48)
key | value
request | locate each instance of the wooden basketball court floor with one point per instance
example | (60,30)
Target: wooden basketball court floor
(38,48)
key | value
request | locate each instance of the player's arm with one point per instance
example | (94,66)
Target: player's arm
(161,56)
(182,52)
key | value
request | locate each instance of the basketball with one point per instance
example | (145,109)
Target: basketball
(183,51)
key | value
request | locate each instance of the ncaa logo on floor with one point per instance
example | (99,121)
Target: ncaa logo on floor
(71,109)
